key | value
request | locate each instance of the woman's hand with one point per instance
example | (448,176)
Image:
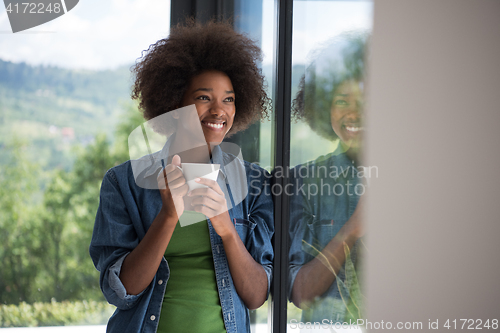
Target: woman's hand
(141,265)
(211,202)
(249,277)
(354,227)
(315,277)
(173,188)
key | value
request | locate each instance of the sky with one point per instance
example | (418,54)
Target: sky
(316,22)
(93,35)
(107,34)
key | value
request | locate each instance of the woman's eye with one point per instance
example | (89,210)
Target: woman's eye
(341,102)
(203,98)
(229,99)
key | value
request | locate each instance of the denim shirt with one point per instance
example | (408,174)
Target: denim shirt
(127,210)
(324,199)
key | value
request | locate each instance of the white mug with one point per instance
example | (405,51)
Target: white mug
(192,171)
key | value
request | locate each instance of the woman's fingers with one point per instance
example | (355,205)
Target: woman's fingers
(210,200)
(207,211)
(214,203)
(212,193)
(171,176)
(175,182)
(206,191)
(210,183)
(180,191)
(168,169)
(173,187)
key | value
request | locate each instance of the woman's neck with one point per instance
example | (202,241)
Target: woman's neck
(352,153)
(195,155)
(190,152)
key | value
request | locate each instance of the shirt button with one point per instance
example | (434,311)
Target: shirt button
(160,282)
(152,317)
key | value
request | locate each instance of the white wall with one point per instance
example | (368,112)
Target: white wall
(433,117)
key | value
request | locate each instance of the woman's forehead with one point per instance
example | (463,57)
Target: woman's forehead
(350,86)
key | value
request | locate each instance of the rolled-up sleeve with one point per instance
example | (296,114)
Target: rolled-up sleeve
(113,238)
(300,214)
(296,259)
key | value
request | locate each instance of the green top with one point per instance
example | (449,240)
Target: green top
(191,302)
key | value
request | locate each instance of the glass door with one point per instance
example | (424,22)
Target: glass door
(326,185)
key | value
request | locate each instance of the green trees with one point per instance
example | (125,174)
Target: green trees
(20,226)
(46,226)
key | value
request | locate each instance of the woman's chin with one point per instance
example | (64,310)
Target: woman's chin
(351,146)
(213,143)
(215,140)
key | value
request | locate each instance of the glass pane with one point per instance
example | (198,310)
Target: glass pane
(326,244)
(257,19)
(65,115)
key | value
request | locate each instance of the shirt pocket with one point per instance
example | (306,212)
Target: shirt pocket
(318,234)
(244,228)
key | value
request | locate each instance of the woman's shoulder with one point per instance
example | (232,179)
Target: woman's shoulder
(303,169)
(127,178)
(322,160)
(119,173)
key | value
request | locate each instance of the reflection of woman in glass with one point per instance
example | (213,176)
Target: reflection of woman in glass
(203,277)
(325,219)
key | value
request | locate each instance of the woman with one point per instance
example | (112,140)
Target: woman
(325,222)
(203,277)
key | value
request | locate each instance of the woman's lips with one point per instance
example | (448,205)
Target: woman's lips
(353,129)
(213,125)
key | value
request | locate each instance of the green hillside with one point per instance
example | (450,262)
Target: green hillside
(52,109)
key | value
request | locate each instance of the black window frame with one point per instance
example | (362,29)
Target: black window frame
(281,144)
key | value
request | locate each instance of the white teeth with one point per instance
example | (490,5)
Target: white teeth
(354,129)
(216,126)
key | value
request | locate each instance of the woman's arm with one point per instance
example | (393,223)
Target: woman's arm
(314,278)
(141,265)
(249,277)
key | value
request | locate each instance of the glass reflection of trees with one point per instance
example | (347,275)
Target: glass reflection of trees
(325,225)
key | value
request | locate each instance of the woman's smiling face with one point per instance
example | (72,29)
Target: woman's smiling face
(213,95)
(346,113)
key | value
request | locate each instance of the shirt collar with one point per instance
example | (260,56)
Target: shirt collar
(342,162)
(218,158)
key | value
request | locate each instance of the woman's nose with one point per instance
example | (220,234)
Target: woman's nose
(217,109)
(355,108)
(360,106)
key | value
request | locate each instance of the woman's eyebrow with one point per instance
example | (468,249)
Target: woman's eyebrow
(210,90)
(203,89)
